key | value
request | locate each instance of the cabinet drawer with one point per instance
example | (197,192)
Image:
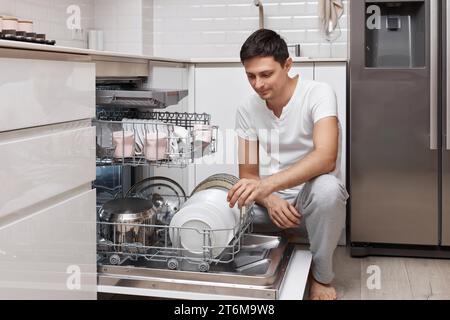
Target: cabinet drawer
(41,92)
(51,254)
(41,166)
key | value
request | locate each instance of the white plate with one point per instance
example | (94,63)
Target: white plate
(218,199)
(200,217)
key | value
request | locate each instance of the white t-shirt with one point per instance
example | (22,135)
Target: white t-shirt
(286,140)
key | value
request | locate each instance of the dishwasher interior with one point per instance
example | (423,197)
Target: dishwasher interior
(142,253)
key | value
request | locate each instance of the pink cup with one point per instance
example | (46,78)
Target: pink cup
(156,145)
(203,133)
(124,143)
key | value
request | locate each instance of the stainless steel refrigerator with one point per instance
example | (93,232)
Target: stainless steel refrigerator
(399,167)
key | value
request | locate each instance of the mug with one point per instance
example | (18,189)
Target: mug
(203,133)
(156,145)
(124,143)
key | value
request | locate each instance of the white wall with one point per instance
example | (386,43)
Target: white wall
(217,28)
(50,17)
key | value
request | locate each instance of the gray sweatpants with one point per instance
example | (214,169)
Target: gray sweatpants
(322,202)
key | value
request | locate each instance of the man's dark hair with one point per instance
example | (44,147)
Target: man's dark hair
(265,43)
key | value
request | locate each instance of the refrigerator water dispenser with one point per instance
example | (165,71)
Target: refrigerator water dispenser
(395,34)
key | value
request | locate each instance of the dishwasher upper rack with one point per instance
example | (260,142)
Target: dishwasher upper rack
(183,119)
(112,249)
(153,138)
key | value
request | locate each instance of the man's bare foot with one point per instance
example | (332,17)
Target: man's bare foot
(319,291)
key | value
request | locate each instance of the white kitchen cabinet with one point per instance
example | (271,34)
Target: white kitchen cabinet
(51,253)
(335,74)
(219,89)
(47,207)
(40,92)
(43,162)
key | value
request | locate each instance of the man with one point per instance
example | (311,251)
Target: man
(302,190)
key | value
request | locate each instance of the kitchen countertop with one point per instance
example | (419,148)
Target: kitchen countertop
(58,49)
(69,50)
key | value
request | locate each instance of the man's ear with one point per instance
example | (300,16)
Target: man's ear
(288,64)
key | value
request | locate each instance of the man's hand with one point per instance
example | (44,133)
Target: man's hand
(283,214)
(247,191)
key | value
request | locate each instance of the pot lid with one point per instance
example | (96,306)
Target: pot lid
(166,196)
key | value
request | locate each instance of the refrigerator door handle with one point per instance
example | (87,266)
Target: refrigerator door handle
(447,130)
(434,64)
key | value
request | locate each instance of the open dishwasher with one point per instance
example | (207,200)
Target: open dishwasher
(138,251)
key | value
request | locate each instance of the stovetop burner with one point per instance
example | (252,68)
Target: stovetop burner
(12,37)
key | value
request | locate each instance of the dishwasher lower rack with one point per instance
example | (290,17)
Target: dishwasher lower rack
(125,243)
(167,139)
(267,267)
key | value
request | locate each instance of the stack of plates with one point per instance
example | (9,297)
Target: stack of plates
(222,181)
(206,220)
(201,230)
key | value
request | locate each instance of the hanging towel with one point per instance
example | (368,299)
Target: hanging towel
(330,11)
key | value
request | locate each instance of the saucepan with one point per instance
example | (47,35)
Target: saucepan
(128,221)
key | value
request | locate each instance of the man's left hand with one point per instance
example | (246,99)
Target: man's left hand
(247,191)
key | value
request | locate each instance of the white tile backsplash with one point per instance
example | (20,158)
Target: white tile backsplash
(222,26)
(49,17)
(127,25)
(121,22)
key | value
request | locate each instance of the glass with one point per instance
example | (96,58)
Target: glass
(331,35)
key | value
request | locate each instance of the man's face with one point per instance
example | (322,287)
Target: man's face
(267,76)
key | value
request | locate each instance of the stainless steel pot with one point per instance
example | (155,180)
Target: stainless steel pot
(127,223)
